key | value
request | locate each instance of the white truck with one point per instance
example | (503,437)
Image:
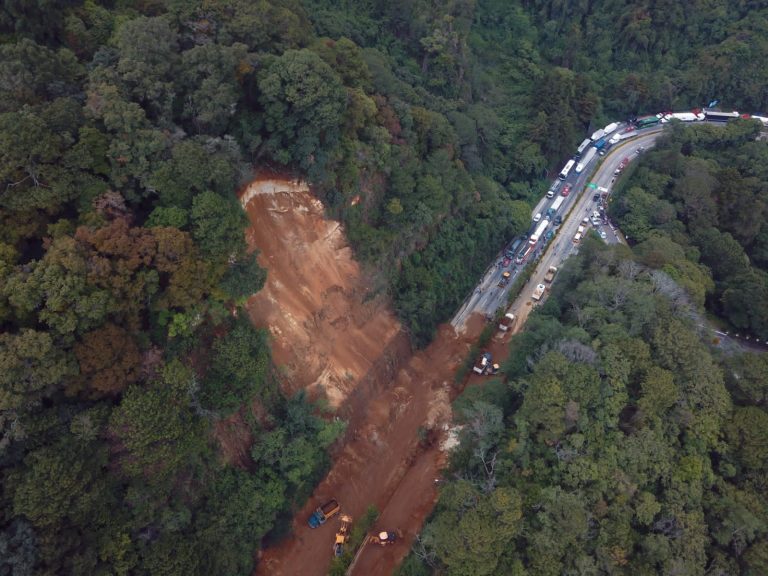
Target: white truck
(538,232)
(550,275)
(610,128)
(683,117)
(586,159)
(583,146)
(597,134)
(539,292)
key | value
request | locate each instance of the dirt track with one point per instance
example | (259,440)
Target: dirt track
(331,339)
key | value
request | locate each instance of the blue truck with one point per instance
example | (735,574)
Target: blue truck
(321,515)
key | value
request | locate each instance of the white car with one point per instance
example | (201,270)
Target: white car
(537,217)
(603,235)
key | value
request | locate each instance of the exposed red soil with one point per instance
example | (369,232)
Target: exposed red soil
(330,339)
(327,333)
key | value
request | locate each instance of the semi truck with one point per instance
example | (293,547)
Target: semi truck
(323,513)
(647,121)
(583,146)
(538,232)
(597,134)
(683,117)
(550,275)
(539,292)
(586,159)
(557,204)
(566,169)
(717,116)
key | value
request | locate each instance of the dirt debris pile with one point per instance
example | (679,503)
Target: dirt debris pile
(327,332)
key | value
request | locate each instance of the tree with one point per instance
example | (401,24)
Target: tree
(148,54)
(239,368)
(303,101)
(56,289)
(109,360)
(196,165)
(32,366)
(217,226)
(156,427)
(244,277)
(209,77)
(60,482)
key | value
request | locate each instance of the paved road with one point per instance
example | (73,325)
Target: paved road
(488,296)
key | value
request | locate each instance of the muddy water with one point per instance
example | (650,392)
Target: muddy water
(331,339)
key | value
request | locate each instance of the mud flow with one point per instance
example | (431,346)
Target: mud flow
(333,339)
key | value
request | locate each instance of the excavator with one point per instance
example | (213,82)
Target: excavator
(342,535)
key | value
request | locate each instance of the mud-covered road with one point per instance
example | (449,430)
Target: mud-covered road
(332,338)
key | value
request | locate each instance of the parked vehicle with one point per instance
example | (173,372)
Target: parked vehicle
(550,275)
(586,159)
(323,513)
(566,169)
(483,363)
(342,536)
(539,292)
(507,322)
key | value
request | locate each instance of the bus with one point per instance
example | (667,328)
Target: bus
(567,169)
(647,121)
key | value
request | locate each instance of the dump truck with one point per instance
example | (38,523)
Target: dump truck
(342,535)
(539,292)
(323,513)
(507,322)
(482,364)
(384,538)
(550,275)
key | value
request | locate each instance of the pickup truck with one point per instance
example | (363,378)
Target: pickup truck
(550,275)
(323,513)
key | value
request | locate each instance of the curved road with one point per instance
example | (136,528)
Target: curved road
(488,296)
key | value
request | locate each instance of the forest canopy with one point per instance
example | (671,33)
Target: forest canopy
(126,128)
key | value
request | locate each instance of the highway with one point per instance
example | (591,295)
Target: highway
(488,296)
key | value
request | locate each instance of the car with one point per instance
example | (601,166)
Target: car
(537,217)
(629,129)
(595,197)
(506,262)
(558,220)
(603,235)
(566,190)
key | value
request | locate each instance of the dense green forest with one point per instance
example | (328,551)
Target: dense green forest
(697,207)
(126,127)
(620,443)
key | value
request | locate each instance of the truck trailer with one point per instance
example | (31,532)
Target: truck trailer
(586,159)
(538,232)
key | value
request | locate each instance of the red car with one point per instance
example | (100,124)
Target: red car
(629,129)
(566,190)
